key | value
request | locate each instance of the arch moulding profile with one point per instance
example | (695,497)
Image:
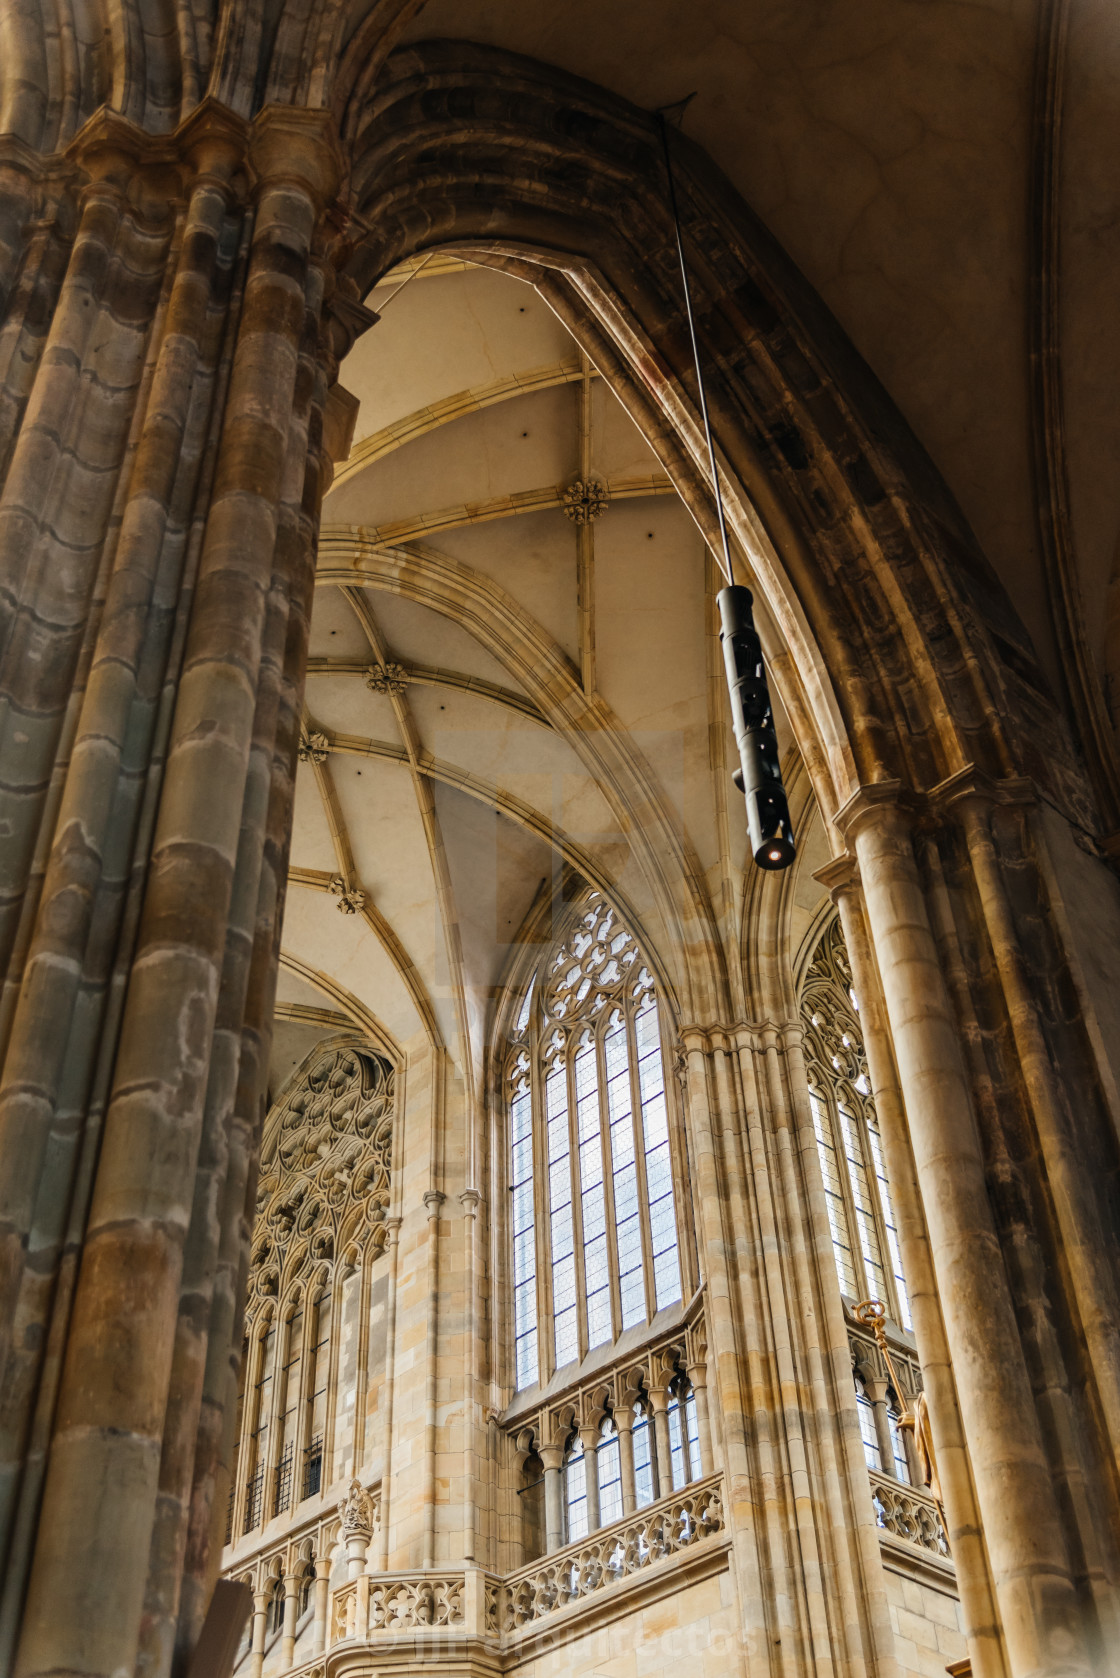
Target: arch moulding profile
(895,649)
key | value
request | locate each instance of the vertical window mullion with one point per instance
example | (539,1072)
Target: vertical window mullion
(640,1165)
(577,1197)
(524,1230)
(628,1197)
(613,1269)
(859,1268)
(563,1269)
(661,1200)
(542,1205)
(594,1225)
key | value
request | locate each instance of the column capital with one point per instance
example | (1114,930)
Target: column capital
(108,147)
(839,875)
(299,146)
(973,785)
(867,802)
(433,1200)
(470,1200)
(214,138)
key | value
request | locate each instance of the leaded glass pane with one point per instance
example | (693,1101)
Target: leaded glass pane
(861,1216)
(872,1455)
(659,1170)
(523,1222)
(609,1461)
(901,1464)
(888,1217)
(597,1172)
(643,1459)
(565,1320)
(575,1489)
(678,1455)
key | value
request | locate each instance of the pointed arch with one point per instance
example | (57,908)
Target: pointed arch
(905,658)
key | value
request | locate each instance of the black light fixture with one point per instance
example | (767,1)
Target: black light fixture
(759,775)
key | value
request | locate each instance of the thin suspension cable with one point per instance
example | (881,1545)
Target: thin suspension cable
(398,289)
(725,563)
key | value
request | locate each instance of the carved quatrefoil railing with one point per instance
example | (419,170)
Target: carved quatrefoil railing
(610,1555)
(908,1513)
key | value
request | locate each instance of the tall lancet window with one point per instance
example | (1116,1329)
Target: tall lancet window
(860,1212)
(593,1218)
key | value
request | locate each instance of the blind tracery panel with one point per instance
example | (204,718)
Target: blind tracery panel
(849,1144)
(322,1201)
(593,1222)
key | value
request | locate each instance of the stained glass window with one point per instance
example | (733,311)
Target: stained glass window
(861,1214)
(593,1217)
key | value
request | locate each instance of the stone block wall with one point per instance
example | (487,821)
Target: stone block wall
(927,1623)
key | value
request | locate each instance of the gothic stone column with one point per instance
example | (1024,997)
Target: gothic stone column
(163,472)
(994,1290)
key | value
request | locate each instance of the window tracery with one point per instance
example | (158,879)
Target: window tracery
(593,1219)
(861,1215)
(322,1201)
(611,1447)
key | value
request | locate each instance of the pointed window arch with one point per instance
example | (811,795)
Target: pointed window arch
(593,1213)
(857,1191)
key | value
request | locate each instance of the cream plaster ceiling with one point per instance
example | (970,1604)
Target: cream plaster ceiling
(452,804)
(887,145)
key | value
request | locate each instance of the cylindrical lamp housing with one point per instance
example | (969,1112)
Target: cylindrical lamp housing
(759,777)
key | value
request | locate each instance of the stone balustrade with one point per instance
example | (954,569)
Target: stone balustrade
(470,1601)
(609,1555)
(908,1513)
(397,1602)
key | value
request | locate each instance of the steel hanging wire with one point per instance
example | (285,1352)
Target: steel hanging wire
(759,775)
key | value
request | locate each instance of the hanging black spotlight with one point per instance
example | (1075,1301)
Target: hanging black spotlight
(759,776)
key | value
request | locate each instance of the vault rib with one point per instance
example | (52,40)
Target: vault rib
(430,675)
(505,803)
(433,833)
(348,1004)
(429,418)
(511,634)
(497,507)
